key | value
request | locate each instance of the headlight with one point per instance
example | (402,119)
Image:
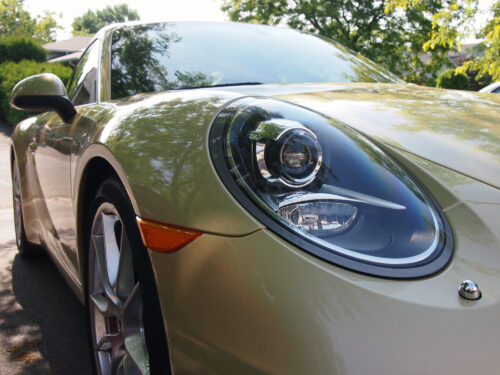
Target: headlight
(328,189)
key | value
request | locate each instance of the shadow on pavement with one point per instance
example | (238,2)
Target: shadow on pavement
(49,304)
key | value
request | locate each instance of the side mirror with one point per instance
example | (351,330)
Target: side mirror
(42,93)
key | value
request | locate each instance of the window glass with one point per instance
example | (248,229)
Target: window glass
(82,85)
(164,56)
(496,91)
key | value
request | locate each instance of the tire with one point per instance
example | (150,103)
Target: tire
(127,335)
(25,247)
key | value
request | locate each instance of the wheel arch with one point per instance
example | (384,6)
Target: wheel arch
(95,165)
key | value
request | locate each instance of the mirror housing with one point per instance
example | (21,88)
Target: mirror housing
(42,93)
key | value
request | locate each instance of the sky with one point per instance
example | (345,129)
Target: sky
(158,10)
(149,10)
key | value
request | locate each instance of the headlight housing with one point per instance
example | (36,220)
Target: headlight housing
(328,189)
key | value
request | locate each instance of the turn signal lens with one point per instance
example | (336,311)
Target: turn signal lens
(165,238)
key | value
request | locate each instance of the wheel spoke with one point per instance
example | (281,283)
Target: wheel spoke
(100,254)
(127,366)
(134,330)
(125,275)
(132,311)
(112,251)
(104,344)
(137,352)
(120,369)
(101,302)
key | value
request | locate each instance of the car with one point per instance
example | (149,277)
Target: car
(493,88)
(231,198)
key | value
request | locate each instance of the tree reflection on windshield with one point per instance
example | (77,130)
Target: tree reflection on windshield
(166,56)
(136,65)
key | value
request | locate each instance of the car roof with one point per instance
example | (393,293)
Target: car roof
(491,87)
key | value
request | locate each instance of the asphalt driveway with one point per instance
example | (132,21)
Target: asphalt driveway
(42,324)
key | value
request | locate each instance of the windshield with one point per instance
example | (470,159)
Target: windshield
(165,56)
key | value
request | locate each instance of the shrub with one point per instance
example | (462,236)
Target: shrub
(17,48)
(449,79)
(11,73)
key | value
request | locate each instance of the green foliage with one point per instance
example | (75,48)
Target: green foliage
(45,28)
(453,23)
(17,48)
(14,20)
(388,36)
(450,79)
(451,19)
(12,72)
(488,64)
(90,22)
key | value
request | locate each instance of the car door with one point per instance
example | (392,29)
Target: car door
(55,144)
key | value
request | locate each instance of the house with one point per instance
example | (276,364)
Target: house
(457,57)
(467,52)
(67,51)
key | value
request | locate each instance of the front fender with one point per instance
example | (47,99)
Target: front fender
(158,145)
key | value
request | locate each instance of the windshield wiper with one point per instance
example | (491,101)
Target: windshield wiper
(221,85)
(235,84)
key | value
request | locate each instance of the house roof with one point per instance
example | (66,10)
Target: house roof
(71,57)
(77,43)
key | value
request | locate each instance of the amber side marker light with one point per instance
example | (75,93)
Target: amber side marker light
(165,238)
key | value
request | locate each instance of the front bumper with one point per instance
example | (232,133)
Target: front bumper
(257,304)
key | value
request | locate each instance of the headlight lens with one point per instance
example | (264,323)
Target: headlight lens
(286,151)
(328,189)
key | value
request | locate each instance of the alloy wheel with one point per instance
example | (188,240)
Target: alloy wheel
(115,302)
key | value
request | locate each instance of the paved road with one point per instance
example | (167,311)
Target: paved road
(42,324)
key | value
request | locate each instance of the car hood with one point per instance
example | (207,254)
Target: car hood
(459,130)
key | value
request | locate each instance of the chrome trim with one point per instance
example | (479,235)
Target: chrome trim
(366,199)
(388,261)
(274,130)
(469,290)
(331,189)
(260,150)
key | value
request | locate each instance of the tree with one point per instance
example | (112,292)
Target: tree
(488,64)
(12,72)
(45,28)
(453,23)
(17,48)
(449,79)
(388,36)
(14,20)
(90,22)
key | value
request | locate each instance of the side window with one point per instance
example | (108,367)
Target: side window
(82,85)
(496,91)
